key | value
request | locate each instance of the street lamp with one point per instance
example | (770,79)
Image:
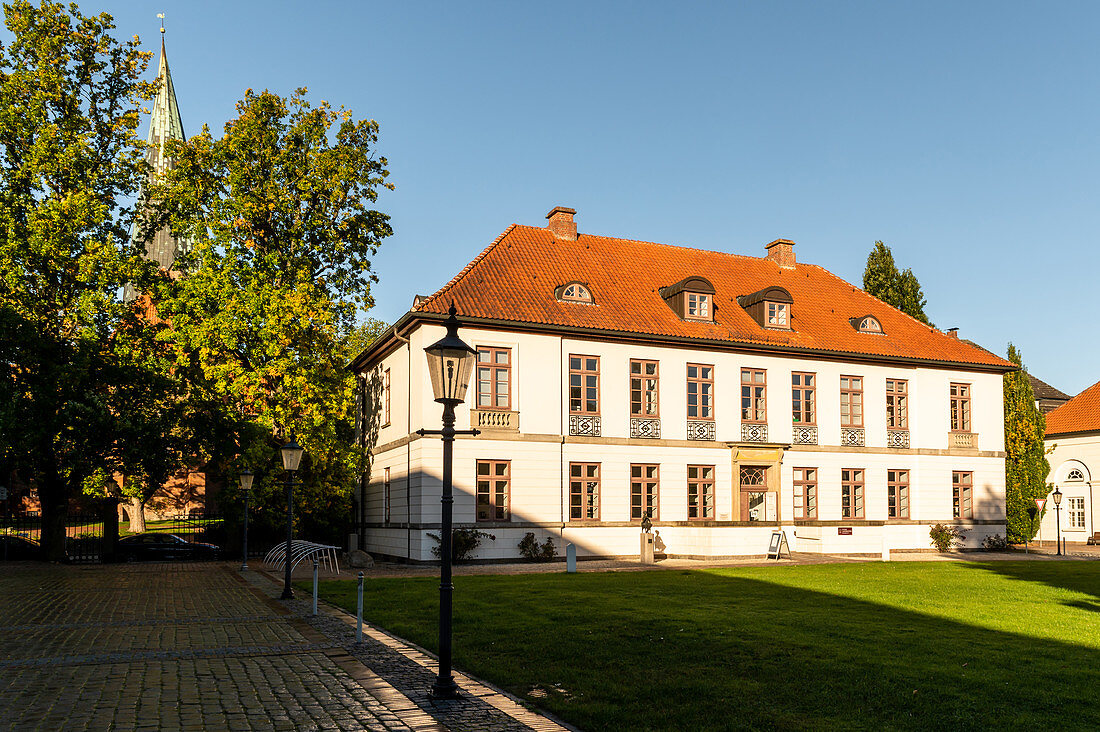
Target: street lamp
(450,362)
(292,456)
(1057,496)
(246,487)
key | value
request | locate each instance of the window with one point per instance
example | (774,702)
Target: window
(584,384)
(584,491)
(386,495)
(576,292)
(1075,474)
(869,324)
(753,393)
(643,389)
(386,398)
(700,492)
(962,484)
(493,478)
(960,407)
(897,494)
(778,315)
(494,378)
(805,493)
(851,493)
(700,383)
(644,485)
(851,401)
(754,494)
(698,306)
(897,404)
(803,389)
(1076,512)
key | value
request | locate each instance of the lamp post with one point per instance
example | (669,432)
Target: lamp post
(292,456)
(450,362)
(246,486)
(1057,496)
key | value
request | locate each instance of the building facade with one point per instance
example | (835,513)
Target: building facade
(1073,442)
(724,396)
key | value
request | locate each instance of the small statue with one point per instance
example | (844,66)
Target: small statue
(647,523)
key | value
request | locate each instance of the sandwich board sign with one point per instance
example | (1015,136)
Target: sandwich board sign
(778,544)
(1040,503)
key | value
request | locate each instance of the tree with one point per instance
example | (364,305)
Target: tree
(70,161)
(882,279)
(279,214)
(1026,466)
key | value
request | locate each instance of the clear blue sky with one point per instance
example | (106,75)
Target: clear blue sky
(964,135)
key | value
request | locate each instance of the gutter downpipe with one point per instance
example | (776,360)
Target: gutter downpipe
(408,448)
(561,445)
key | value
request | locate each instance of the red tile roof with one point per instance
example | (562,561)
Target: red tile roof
(1079,414)
(514,279)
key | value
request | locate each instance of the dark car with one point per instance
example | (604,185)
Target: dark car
(14,548)
(163,548)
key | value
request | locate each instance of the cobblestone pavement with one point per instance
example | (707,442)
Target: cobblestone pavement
(203,647)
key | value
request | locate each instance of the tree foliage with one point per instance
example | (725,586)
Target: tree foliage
(901,289)
(1026,466)
(78,391)
(279,211)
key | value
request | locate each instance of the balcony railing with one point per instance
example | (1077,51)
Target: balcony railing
(852,437)
(700,429)
(645,427)
(754,432)
(803,435)
(897,438)
(584,425)
(962,440)
(494,419)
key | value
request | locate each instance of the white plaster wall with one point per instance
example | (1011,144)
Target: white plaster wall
(1082,453)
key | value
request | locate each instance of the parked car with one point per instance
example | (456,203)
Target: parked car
(154,547)
(16,548)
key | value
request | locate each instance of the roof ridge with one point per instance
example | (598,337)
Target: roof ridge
(654,243)
(465,270)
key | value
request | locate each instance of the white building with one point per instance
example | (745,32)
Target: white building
(729,396)
(1073,431)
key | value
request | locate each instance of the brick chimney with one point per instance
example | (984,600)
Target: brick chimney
(561,224)
(781,251)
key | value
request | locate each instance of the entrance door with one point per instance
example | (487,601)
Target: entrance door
(753,493)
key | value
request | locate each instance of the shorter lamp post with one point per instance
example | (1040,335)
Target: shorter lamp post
(246,487)
(292,456)
(450,363)
(1057,496)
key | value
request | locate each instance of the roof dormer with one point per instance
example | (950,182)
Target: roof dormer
(574,292)
(867,324)
(770,307)
(691,298)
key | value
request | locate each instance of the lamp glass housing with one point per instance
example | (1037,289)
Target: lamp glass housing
(1057,496)
(450,364)
(246,480)
(292,455)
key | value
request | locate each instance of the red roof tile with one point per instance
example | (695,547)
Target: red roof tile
(514,280)
(1079,414)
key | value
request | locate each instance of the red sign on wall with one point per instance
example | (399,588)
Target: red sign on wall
(844,530)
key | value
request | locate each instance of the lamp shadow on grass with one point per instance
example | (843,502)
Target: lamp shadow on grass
(729,650)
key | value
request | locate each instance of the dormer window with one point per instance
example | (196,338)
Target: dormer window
(777,315)
(867,324)
(691,299)
(698,306)
(770,307)
(574,292)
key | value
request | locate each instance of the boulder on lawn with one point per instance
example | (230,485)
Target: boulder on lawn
(358,559)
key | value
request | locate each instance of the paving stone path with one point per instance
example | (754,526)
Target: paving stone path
(204,647)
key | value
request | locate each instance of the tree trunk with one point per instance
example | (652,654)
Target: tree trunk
(108,512)
(137,515)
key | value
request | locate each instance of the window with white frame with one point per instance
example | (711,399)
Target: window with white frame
(778,315)
(698,306)
(1076,512)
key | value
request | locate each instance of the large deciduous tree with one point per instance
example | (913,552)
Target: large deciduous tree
(279,212)
(901,289)
(1026,466)
(74,353)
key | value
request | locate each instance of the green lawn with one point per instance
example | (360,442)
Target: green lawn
(1013,645)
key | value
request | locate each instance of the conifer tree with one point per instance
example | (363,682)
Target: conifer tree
(1026,466)
(882,279)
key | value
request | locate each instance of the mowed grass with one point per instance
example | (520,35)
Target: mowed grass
(1012,645)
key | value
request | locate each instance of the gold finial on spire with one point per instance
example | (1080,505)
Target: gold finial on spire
(161,16)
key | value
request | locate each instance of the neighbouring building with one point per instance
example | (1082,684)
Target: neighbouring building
(726,396)
(1047,398)
(1073,439)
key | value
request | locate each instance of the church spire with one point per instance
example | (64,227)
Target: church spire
(165,124)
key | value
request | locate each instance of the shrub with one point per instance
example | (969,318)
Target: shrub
(534,551)
(945,536)
(464,542)
(995,543)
